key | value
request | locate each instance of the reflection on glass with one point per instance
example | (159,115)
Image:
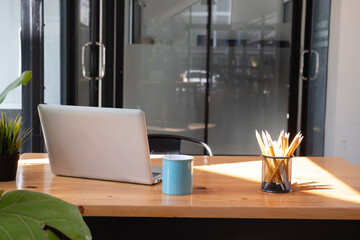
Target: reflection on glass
(165,66)
(83,86)
(250,57)
(165,69)
(10,60)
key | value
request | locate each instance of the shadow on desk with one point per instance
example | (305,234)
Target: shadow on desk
(185,228)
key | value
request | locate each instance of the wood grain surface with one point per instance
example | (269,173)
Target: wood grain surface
(223,187)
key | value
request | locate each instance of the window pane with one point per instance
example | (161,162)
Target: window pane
(165,66)
(10,60)
(52,51)
(250,59)
(317,85)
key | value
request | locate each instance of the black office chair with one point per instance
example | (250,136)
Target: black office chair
(170,144)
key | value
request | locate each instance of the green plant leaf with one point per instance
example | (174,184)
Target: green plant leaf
(12,136)
(23,79)
(25,215)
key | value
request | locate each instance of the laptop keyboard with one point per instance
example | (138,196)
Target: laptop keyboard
(156,174)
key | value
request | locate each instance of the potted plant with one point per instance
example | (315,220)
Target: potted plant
(12,136)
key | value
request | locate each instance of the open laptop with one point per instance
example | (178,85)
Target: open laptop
(99,143)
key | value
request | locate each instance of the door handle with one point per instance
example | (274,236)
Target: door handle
(317,63)
(83,60)
(101,61)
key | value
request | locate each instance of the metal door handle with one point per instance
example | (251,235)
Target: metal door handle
(83,60)
(101,61)
(316,65)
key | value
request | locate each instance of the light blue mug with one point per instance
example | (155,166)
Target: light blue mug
(177,174)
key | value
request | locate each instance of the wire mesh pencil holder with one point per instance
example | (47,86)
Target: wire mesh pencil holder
(276,174)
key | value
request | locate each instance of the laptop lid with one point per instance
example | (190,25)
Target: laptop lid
(99,143)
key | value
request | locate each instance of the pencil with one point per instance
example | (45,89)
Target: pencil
(294,144)
(260,142)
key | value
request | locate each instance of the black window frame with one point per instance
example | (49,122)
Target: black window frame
(32,58)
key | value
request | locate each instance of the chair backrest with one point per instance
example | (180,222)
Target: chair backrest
(170,144)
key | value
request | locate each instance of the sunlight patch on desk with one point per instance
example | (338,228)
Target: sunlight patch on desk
(316,180)
(307,177)
(243,170)
(33,161)
(156,156)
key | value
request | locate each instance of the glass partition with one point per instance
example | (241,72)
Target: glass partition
(251,62)
(165,69)
(164,65)
(314,110)
(52,51)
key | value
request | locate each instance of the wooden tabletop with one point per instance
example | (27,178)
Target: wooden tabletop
(224,187)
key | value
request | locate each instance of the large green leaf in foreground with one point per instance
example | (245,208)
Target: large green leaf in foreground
(25,215)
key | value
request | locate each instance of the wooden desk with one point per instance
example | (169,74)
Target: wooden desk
(224,187)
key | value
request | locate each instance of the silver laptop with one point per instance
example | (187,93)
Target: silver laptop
(99,143)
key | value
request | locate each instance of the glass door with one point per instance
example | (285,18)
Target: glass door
(88,46)
(85,85)
(165,70)
(213,70)
(314,75)
(250,72)
(52,52)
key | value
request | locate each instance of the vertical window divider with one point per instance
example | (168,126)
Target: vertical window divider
(208,58)
(32,51)
(293,106)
